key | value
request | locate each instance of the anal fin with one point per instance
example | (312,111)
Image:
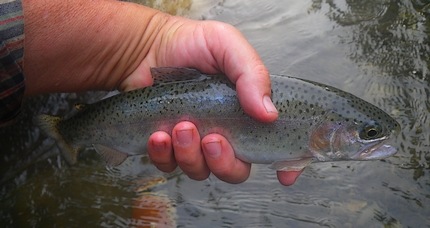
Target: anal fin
(112,156)
(291,165)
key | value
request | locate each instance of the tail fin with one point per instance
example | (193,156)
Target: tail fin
(49,124)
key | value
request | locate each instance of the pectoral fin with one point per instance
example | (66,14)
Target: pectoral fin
(292,165)
(111,156)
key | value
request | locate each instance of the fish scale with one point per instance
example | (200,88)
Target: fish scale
(316,122)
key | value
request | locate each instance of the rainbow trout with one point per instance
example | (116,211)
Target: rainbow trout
(316,122)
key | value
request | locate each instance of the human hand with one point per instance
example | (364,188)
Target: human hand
(212,47)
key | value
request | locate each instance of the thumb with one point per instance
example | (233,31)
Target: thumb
(241,63)
(254,95)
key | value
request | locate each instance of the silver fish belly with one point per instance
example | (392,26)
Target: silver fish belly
(316,122)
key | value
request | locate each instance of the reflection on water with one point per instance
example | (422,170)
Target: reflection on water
(378,50)
(373,28)
(175,7)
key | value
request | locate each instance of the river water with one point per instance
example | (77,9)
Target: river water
(376,49)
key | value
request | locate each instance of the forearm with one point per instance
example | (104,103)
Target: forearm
(85,45)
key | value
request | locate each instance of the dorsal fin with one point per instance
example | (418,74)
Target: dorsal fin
(166,75)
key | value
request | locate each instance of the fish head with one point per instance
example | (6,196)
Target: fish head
(340,138)
(372,138)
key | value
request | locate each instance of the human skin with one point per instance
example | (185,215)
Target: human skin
(81,45)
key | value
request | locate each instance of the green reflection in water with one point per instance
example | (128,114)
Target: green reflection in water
(392,35)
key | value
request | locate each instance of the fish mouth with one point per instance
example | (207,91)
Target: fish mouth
(375,149)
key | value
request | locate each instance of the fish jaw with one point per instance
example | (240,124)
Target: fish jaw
(375,150)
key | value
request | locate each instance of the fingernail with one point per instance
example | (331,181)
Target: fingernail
(213,149)
(184,137)
(159,146)
(267,102)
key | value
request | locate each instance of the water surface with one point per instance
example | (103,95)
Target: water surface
(375,49)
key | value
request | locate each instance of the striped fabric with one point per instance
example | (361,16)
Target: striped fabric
(11,55)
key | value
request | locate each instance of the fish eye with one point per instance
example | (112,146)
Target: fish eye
(371,131)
